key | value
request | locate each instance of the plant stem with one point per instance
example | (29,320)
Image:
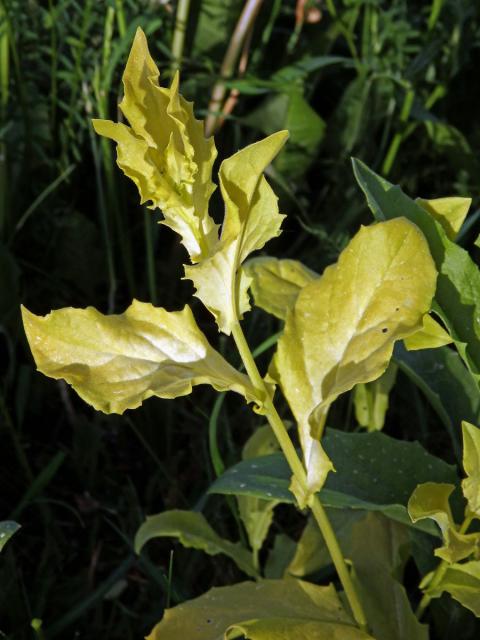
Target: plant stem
(299,472)
(244,24)
(439,573)
(399,136)
(178,42)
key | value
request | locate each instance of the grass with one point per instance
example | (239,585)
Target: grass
(393,83)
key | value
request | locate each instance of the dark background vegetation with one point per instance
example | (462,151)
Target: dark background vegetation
(394,83)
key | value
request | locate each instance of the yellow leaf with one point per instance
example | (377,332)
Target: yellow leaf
(471,465)
(449,212)
(164,151)
(342,329)
(275,284)
(431,500)
(266,610)
(251,219)
(115,362)
(431,336)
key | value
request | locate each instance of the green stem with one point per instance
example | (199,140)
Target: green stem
(299,473)
(178,42)
(439,573)
(399,136)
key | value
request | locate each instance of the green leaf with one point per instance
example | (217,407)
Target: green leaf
(115,362)
(251,219)
(471,465)
(275,284)
(257,513)
(373,472)
(164,151)
(431,336)
(266,610)
(289,110)
(344,325)
(449,212)
(7,529)
(446,383)
(378,549)
(458,284)
(371,399)
(462,582)
(431,500)
(192,530)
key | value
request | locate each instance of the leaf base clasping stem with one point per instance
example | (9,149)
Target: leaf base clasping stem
(299,472)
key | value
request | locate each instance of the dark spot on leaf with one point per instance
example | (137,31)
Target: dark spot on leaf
(384,330)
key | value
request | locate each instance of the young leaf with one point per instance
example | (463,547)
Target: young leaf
(192,530)
(431,336)
(342,329)
(462,582)
(266,610)
(371,399)
(471,465)
(257,513)
(251,219)
(164,151)
(431,500)
(449,212)
(7,529)
(115,362)
(275,284)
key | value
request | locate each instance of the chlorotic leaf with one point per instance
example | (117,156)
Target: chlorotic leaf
(457,296)
(431,500)
(462,582)
(371,399)
(251,219)
(192,530)
(164,151)
(275,284)
(431,336)
(471,465)
(342,329)
(7,529)
(257,513)
(449,212)
(266,610)
(115,362)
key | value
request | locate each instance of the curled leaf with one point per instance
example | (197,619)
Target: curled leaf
(115,362)
(431,500)
(164,150)
(343,327)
